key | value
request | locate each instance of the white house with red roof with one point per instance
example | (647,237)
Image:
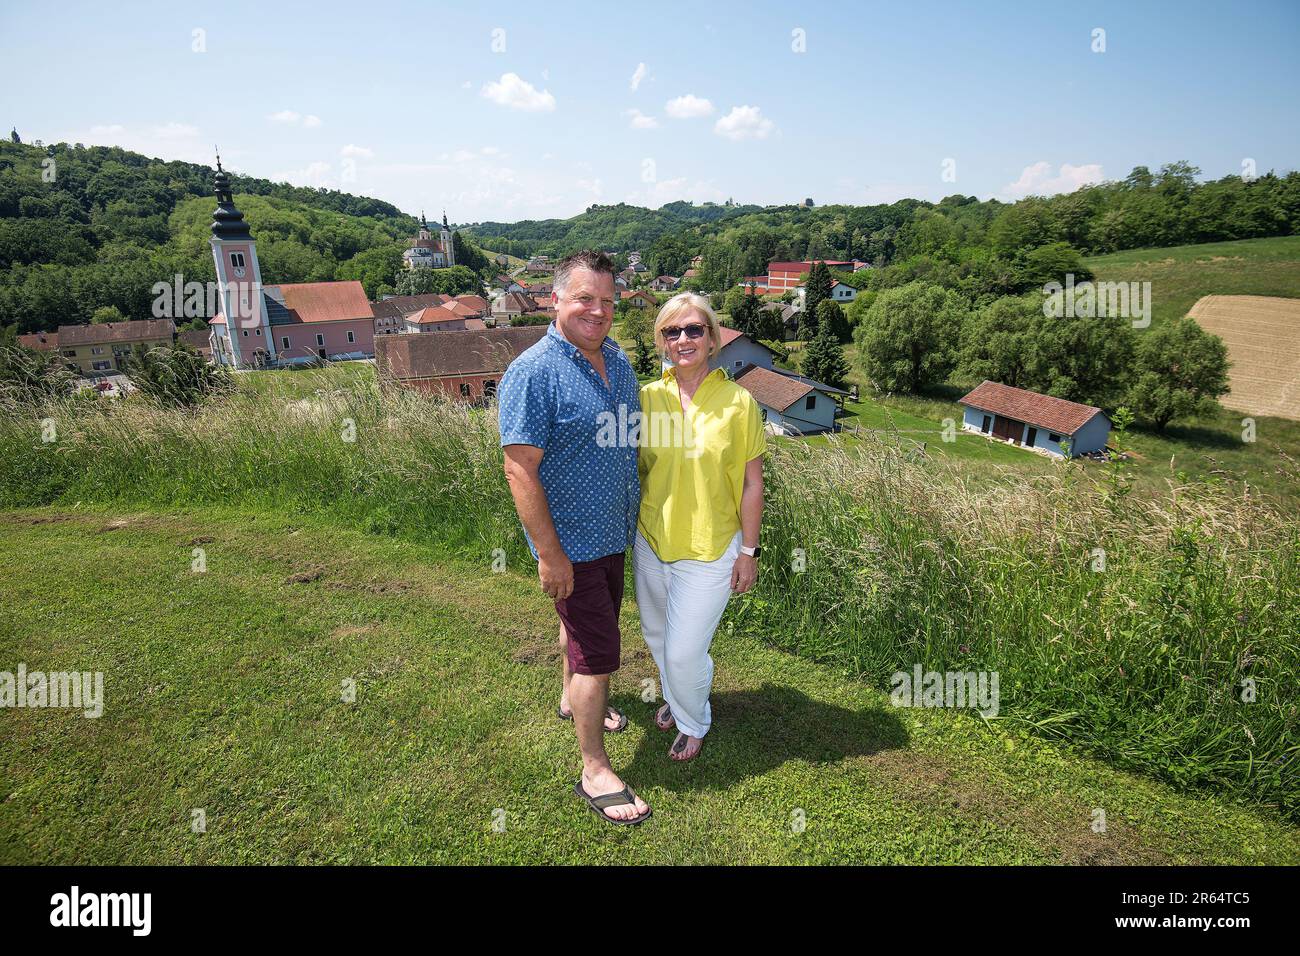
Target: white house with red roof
(1032,420)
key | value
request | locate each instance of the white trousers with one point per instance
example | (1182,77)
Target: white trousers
(681,603)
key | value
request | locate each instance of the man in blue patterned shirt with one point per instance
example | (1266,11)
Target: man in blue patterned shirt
(578,496)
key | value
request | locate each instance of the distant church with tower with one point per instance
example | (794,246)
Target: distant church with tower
(426,252)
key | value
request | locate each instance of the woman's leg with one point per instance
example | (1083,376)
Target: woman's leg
(650,576)
(698,593)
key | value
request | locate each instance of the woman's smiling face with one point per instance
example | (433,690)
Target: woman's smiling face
(685,352)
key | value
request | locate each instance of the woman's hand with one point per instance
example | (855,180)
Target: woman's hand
(744,573)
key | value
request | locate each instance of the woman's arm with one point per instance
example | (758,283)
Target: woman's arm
(745,571)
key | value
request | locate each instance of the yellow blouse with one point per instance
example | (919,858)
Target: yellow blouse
(692,464)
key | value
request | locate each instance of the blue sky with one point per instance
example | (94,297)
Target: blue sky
(513,111)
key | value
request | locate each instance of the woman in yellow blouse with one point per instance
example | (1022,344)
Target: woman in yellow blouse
(701,467)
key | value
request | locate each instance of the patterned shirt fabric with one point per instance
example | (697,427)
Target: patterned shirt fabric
(692,464)
(552,397)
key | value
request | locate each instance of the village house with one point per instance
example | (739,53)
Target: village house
(512,305)
(664,283)
(639,299)
(391,311)
(440,318)
(782,275)
(464,366)
(105,347)
(790,406)
(1035,421)
(197,339)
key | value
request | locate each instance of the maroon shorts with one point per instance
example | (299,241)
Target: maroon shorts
(590,615)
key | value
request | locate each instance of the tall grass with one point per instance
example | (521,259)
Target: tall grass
(1145,663)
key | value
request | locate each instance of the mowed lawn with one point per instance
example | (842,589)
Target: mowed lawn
(224,693)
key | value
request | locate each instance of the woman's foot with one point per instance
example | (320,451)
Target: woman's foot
(614,719)
(685,748)
(664,719)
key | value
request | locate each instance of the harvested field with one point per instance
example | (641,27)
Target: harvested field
(1263,338)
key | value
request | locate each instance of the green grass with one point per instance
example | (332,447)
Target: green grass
(1179,275)
(906,560)
(223,692)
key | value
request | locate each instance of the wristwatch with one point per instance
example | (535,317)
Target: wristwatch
(752,552)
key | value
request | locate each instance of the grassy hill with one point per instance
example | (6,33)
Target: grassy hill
(223,694)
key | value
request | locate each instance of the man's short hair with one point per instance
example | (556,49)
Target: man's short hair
(592,259)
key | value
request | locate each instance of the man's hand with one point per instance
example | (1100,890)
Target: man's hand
(744,573)
(556,574)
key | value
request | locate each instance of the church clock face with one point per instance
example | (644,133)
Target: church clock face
(239,272)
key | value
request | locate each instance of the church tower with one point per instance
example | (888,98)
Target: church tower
(447,250)
(245,339)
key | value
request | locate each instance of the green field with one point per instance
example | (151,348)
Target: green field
(1208,447)
(223,694)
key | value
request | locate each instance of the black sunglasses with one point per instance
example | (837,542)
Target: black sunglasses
(693,331)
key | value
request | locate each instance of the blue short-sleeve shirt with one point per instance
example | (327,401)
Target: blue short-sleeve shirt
(553,398)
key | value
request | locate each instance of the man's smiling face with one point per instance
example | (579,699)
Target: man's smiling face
(584,308)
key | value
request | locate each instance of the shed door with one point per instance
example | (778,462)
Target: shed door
(1005,428)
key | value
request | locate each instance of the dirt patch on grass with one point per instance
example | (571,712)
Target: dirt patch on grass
(1064,829)
(353,630)
(305,577)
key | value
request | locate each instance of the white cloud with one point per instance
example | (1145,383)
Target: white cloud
(689,106)
(316,175)
(467,85)
(285,116)
(671,190)
(1037,180)
(640,120)
(518,94)
(744,122)
(310,121)
(638,75)
(175,131)
(360,152)
(171,141)
(593,186)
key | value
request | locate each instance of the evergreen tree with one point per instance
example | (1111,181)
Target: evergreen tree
(823,359)
(817,290)
(831,316)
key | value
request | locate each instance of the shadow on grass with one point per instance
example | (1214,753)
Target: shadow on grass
(755,731)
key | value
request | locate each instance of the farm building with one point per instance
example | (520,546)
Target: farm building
(1034,421)
(789,406)
(464,365)
(739,350)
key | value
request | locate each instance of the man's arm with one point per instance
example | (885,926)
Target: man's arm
(554,569)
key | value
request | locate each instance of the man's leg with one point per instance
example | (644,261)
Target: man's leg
(611,722)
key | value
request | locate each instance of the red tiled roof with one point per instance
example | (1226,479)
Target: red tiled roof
(397,306)
(407,357)
(1054,414)
(475,302)
(131,331)
(772,389)
(434,313)
(40,341)
(775,266)
(326,301)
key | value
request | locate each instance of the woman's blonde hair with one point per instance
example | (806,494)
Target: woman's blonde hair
(681,303)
